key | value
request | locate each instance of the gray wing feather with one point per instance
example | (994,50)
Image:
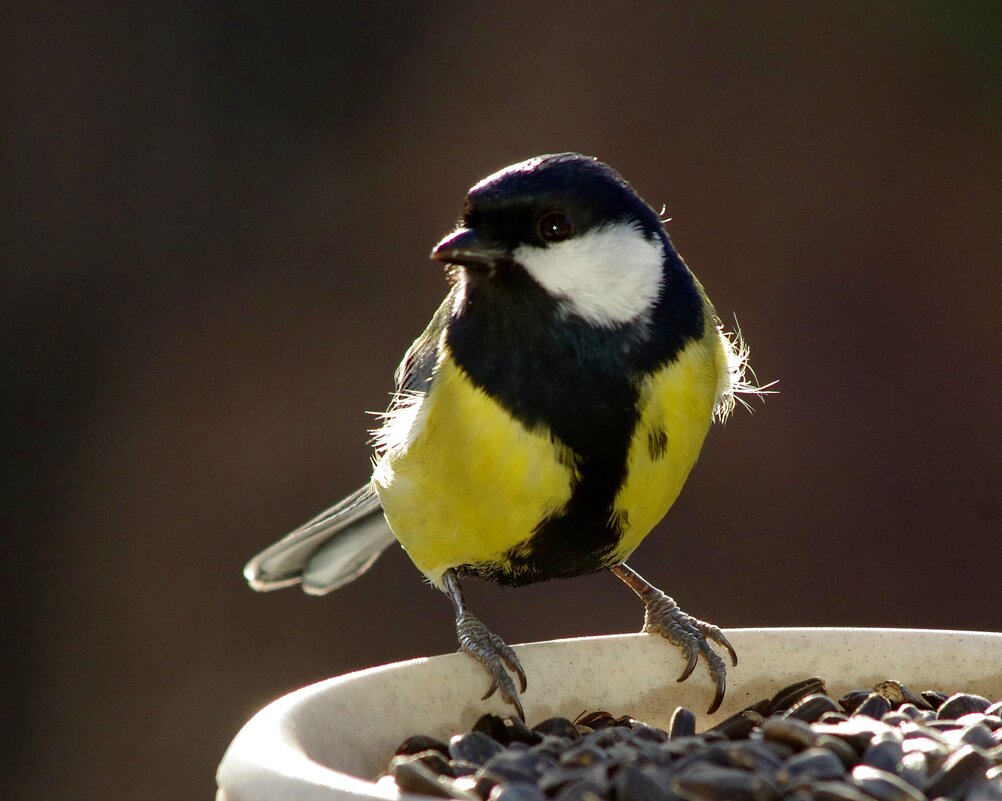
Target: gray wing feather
(339,545)
(329,551)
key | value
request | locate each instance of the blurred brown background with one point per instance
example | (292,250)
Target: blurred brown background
(214,246)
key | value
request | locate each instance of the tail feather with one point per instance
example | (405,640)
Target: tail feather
(329,551)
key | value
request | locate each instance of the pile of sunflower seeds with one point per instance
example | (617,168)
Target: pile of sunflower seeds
(888,744)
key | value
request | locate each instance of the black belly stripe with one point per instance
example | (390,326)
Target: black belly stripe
(580,383)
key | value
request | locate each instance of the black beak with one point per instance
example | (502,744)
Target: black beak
(467,248)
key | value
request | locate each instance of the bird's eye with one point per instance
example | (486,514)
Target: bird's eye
(555,226)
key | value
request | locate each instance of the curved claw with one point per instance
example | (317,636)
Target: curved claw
(719,672)
(508,694)
(730,650)
(662,616)
(718,637)
(690,652)
(495,683)
(510,658)
(518,707)
(693,637)
(492,653)
(718,696)
(513,664)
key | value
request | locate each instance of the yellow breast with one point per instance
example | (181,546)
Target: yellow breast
(472,483)
(677,405)
(469,482)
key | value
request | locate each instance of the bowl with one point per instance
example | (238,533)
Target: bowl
(332,739)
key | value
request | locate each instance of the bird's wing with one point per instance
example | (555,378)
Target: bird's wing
(329,551)
(414,378)
(415,373)
(339,545)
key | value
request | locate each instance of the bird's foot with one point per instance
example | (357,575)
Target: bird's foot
(495,655)
(693,636)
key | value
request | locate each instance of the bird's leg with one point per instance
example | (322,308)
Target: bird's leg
(487,648)
(663,616)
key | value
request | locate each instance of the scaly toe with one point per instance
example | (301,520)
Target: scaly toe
(711,632)
(494,654)
(510,658)
(663,617)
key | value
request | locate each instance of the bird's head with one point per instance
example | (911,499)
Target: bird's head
(574,227)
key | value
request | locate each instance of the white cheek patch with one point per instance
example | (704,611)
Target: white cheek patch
(609,276)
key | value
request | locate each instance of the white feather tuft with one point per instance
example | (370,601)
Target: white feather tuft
(400,424)
(739,378)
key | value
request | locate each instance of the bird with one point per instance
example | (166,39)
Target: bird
(547,417)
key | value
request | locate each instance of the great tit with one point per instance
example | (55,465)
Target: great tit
(547,417)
